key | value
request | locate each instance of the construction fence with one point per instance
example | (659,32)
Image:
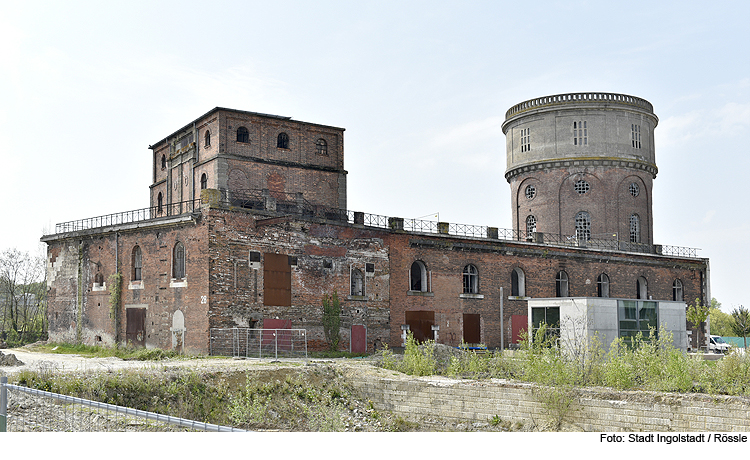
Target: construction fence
(28,409)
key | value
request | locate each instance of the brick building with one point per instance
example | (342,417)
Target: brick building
(248,228)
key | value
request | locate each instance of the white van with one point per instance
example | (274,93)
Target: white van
(717,345)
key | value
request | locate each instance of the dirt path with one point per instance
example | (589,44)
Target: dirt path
(34,360)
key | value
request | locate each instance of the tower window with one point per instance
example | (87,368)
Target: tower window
(581,186)
(321,146)
(159,203)
(602,285)
(471,280)
(243,135)
(641,287)
(530,225)
(357,283)
(561,284)
(418,277)
(517,283)
(204,181)
(635,229)
(530,192)
(207,139)
(635,136)
(634,189)
(178,257)
(137,264)
(677,291)
(525,140)
(282,141)
(163,162)
(580,133)
(583,226)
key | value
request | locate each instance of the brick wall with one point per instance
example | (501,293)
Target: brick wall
(446,257)
(424,398)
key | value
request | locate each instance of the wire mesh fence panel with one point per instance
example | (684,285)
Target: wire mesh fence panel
(27,409)
(243,342)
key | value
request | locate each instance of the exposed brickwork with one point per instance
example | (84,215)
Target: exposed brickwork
(227,247)
(312,163)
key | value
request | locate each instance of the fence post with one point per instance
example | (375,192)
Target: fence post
(3,404)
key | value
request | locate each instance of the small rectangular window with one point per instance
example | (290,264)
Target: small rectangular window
(292,260)
(635,136)
(254,256)
(370,268)
(327,264)
(580,133)
(525,140)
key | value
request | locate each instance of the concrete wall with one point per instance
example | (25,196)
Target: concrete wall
(425,398)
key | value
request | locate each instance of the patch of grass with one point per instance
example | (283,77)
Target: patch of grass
(126,353)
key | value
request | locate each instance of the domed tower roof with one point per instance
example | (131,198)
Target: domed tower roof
(617,129)
(581,166)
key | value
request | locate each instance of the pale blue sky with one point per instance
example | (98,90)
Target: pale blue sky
(421,88)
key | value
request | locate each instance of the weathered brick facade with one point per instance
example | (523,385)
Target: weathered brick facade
(258,221)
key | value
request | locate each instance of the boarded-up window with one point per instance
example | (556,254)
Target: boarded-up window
(277,280)
(472,330)
(420,324)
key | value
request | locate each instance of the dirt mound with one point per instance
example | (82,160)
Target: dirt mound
(9,360)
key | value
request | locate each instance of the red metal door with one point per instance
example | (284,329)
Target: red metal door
(277,280)
(472,333)
(518,324)
(135,330)
(358,342)
(420,324)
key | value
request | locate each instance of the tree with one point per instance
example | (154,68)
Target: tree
(697,314)
(23,289)
(721,322)
(741,322)
(332,320)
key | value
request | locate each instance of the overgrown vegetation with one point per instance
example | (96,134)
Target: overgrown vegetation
(332,320)
(307,398)
(183,394)
(648,363)
(741,322)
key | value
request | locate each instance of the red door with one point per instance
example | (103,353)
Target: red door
(359,339)
(518,324)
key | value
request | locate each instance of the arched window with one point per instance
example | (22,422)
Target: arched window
(163,162)
(677,291)
(642,288)
(530,225)
(517,283)
(137,264)
(178,267)
(321,146)
(471,280)
(635,229)
(561,284)
(282,141)
(159,203)
(357,283)
(243,135)
(418,277)
(98,280)
(204,181)
(602,285)
(583,226)
(207,139)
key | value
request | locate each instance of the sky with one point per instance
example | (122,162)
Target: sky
(420,87)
